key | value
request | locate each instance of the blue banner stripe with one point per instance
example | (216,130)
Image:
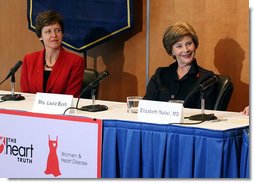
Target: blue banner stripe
(87,22)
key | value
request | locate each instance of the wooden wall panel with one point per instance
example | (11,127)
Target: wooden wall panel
(124,58)
(223,30)
(15,38)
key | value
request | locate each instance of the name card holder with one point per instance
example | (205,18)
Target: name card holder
(160,112)
(50,103)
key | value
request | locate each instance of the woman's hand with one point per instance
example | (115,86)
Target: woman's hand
(246,111)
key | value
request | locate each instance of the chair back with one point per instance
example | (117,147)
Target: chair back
(224,92)
(89,76)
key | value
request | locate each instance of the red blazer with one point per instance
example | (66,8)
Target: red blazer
(66,76)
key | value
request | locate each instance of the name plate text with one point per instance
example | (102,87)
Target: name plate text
(50,103)
(160,112)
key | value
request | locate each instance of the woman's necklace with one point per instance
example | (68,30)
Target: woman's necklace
(49,67)
(49,59)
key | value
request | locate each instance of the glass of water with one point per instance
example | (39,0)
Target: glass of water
(132,103)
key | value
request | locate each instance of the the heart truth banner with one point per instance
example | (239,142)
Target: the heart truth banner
(87,23)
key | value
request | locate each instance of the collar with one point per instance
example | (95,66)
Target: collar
(194,70)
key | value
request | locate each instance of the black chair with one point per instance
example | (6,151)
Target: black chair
(224,92)
(89,76)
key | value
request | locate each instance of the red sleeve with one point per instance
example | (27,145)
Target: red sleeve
(75,81)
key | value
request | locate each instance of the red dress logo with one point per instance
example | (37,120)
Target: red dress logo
(2,144)
(52,163)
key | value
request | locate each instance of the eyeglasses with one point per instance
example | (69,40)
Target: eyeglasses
(50,31)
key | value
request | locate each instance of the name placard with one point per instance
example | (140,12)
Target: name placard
(50,103)
(162,112)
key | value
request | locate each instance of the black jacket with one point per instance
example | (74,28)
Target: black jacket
(164,85)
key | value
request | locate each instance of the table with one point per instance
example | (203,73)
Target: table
(133,148)
(149,150)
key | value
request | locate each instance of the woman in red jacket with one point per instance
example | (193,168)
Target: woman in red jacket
(53,69)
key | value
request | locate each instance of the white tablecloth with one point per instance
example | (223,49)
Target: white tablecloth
(118,111)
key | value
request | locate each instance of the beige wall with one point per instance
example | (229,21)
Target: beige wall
(223,29)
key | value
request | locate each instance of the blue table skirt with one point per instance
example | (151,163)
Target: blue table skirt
(133,150)
(245,164)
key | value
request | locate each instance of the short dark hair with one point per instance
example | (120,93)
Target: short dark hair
(175,32)
(48,18)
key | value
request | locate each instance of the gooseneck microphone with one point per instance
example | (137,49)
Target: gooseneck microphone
(92,85)
(101,76)
(211,81)
(13,70)
(11,74)
(202,87)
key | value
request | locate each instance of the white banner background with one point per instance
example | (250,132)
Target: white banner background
(76,151)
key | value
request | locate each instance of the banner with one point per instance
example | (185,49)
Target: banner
(34,145)
(87,22)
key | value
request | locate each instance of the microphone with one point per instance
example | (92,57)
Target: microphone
(202,87)
(211,81)
(11,74)
(101,76)
(13,70)
(92,85)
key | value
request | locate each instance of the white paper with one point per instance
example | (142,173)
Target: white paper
(50,103)
(161,112)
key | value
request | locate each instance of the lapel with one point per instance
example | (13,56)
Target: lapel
(39,67)
(56,70)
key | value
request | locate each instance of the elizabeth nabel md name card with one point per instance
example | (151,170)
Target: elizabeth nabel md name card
(160,112)
(50,103)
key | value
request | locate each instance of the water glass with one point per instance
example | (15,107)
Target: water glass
(132,103)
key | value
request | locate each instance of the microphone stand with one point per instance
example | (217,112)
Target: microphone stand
(12,96)
(93,107)
(202,116)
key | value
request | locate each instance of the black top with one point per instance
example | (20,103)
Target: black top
(46,77)
(164,85)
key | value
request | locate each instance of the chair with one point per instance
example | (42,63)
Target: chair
(89,76)
(224,92)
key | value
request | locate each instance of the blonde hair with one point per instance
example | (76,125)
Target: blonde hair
(175,32)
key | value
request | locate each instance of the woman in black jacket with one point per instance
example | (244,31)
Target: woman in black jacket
(181,79)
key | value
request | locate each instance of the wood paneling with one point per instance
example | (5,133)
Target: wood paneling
(223,30)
